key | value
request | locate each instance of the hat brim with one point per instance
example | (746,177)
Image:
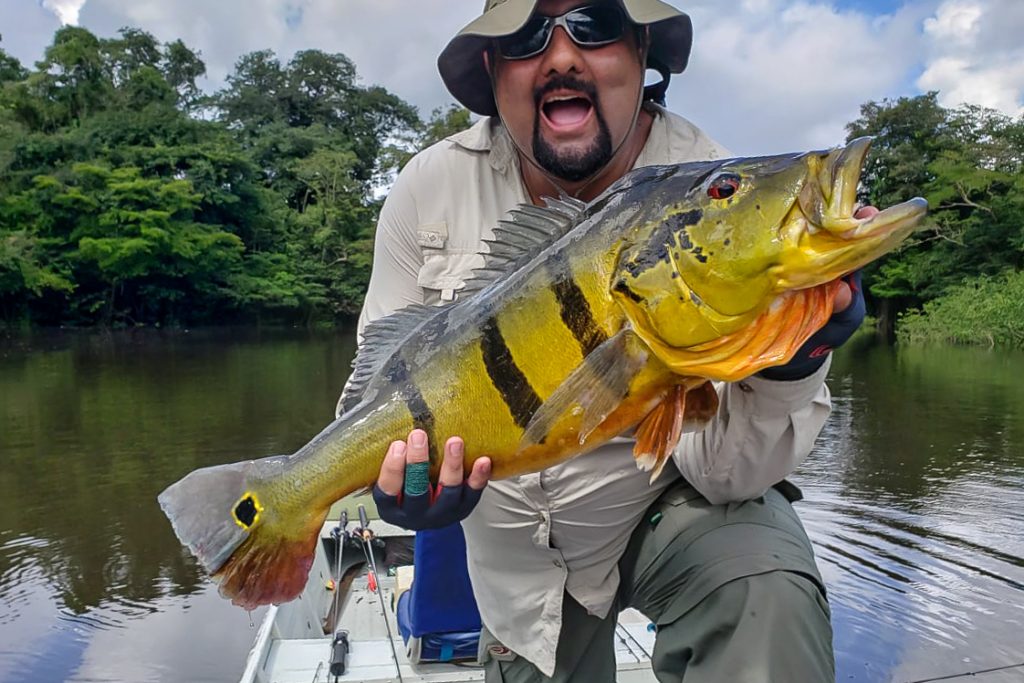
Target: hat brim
(464,72)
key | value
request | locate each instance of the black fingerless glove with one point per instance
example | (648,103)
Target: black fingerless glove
(834,334)
(435,508)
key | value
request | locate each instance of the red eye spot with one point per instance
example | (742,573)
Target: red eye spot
(724,186)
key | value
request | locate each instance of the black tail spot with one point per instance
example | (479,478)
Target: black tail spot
(246,511)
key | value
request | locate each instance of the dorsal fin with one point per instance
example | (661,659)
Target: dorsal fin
(526,232)
(381,339)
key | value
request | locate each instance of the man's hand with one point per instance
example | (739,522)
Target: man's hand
(403,493)
(848,311)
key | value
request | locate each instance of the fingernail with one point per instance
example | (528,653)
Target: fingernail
(487,467)
(398,450)
(418,438)
(458,448)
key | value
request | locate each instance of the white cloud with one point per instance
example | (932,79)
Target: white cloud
(773,76)
(66,10)
(974,54)
(765,76)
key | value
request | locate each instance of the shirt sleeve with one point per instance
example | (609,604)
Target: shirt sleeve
(763,431)
(397,257)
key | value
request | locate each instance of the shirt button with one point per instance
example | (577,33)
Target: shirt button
(745,388)
(557,563)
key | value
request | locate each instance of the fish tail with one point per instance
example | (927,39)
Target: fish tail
(258,551)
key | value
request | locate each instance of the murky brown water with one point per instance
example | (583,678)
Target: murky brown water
(915,500)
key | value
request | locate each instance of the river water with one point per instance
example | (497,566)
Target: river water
(914,500)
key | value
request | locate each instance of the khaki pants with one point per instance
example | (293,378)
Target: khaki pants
(732,588)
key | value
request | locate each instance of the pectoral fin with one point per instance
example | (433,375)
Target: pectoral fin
(682,411)
(594,389)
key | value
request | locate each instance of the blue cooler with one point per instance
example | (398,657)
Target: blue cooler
(437,616)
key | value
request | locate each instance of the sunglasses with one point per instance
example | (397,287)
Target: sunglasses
(589,26)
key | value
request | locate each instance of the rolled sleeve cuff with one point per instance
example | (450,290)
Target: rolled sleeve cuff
(780,397)
(764,430)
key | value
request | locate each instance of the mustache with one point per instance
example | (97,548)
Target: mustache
(565,82)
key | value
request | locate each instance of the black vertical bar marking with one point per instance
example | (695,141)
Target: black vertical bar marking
(422,415)
(573,305)
(576,314)
(507,378)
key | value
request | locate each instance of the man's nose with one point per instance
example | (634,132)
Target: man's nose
(563,55)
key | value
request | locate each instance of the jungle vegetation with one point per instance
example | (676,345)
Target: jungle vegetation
(130,197)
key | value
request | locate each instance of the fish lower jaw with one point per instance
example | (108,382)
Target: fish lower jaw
(898,218)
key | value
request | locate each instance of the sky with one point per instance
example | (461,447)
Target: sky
(765,76)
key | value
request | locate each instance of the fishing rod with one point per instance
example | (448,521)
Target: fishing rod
(970,674)
(339,644)
(366,535)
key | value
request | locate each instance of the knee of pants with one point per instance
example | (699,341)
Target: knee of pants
(768,627)
(696,547)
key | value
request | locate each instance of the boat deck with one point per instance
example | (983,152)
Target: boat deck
(292,645)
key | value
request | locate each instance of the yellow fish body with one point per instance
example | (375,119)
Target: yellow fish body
(585,321)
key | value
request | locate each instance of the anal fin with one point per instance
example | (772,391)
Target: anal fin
(594,389)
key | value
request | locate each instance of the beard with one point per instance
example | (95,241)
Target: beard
(576,164)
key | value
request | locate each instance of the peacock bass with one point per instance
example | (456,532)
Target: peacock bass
(585,321)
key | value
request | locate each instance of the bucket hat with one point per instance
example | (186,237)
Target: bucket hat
(462,66)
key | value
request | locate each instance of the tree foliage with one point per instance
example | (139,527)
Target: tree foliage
(128,196)
(968,163)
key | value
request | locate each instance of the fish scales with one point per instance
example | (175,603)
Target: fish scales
(586,321)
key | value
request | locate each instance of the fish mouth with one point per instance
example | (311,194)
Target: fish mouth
(822,222)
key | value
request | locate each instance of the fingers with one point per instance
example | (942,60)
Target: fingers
(866,212)
(451,467)
(481,474)
(392,470)
(417,450)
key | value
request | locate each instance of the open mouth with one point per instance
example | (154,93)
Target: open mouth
(830,203)
(564,111)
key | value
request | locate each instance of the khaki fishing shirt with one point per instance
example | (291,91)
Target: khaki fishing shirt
(533,537)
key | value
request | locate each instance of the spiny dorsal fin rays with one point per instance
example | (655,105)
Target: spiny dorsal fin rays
(522,235)
(381,339)
(526,232)
(596,387)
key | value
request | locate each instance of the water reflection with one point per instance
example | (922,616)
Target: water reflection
(913,500)
(91,429)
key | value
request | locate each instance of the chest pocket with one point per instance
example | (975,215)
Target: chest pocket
(445,269)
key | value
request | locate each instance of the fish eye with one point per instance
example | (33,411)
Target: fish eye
(724,186)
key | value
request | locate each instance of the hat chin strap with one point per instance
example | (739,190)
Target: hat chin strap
(553,179)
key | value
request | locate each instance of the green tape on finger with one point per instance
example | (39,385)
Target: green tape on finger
(417,478)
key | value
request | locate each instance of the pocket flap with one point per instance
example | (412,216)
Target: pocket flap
(447,273)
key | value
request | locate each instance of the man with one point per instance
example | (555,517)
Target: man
(715,556)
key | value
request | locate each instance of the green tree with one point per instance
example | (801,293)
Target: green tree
(968,163)
(11,70)
(443,123)
(129,197)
